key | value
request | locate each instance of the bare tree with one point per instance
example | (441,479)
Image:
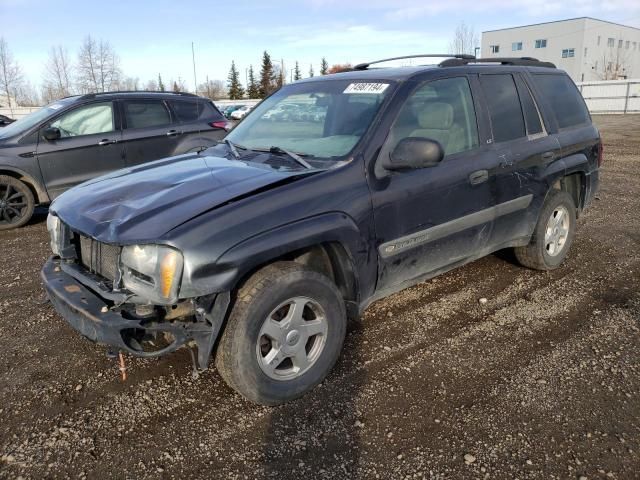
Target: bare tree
(58,74)
(27,95)
(151,86)
(98,66)
(614,65)
(464,40)
(129,83)
(213,89)
(10,75)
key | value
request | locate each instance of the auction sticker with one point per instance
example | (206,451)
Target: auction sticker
(366,88)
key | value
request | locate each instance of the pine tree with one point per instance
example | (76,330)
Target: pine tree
(296,72)
(310,70)
(267,76)
(176,88)
(253,89)
(324,66)
(236,91)
(160,84)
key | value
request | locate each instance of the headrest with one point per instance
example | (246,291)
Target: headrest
(435,115)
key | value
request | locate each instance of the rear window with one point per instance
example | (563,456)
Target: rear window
(563,98)
(505,112)
(193,111)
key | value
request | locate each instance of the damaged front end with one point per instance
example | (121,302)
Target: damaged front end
(127,297)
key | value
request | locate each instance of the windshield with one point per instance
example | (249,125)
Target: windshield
(319,119)
(34,118)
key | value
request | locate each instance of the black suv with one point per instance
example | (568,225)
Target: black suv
(77,138)
(259,249)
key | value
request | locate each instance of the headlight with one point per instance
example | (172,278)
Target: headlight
(152,271)
(55,234)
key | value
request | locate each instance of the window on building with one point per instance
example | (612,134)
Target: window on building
(541,43)
(585,51)
(634,45)
(627,45)
(564,99)
(505,111)
(619,43)
(515,46)
(568,52)
(611,42)
(495,48)
(598,40)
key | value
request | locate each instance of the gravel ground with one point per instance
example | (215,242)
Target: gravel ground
(541,381)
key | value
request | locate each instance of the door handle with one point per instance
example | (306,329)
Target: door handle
(106,141)
(479,176)
(172,133)
(548,155)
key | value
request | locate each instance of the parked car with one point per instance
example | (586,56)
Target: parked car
(259,249)
(77,138)
(230,109)
(240,112)
(4,121)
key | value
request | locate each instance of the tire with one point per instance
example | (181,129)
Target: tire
(16,203)
(243,354)
(543,252)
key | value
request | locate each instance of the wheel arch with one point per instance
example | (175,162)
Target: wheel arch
(38,191)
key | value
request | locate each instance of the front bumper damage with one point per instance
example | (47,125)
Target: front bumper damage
(101,318)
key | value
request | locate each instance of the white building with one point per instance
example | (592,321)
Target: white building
(586,48)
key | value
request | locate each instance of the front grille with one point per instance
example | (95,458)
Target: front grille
(99,258)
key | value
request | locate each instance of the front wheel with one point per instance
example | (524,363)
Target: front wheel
(16,203)
(553,234)
(284,334)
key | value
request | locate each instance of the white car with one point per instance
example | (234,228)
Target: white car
(241,112)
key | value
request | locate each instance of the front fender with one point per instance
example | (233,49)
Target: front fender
(243,258)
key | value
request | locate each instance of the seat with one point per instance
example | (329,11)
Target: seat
(436,123)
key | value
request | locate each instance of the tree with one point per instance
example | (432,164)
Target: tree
(27,96)
(340,68)
(58,75)
(213,89)
(236,91)
(253,89)
(267,76)
(176,87)
(160,84)
(464,40)
(324,66)
(151,86)
(98,66)
(310,70)
(10,74)
(296,72)
(614,65)
(129,83)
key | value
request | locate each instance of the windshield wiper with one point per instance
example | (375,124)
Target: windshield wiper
(281,151)
(232,146)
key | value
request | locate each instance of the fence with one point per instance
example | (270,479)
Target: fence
(611,96)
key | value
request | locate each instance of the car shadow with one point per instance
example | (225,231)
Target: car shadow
(39,215)
(318,435)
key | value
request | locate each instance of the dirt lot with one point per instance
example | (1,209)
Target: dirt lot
(540,382)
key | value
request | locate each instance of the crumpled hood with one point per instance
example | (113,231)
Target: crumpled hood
(141,204)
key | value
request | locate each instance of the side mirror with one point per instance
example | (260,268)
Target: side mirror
(51,134)
(413,153)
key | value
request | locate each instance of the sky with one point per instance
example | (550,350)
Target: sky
(155,37)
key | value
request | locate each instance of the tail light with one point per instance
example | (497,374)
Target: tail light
(221,124)
(600,153)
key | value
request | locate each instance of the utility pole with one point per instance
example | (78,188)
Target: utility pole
(193,57)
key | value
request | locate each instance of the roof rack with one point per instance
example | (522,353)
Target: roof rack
(519,61)
(93,95)
(463,56)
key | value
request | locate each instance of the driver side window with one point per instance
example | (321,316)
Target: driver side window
(87,120)
(440,110)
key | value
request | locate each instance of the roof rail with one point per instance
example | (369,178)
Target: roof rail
(93,95)
(463,56)
(519,61)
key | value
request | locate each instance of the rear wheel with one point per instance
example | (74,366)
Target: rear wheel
(284,334)
(16,203)
(553,234)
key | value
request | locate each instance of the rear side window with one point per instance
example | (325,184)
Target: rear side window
(531,115)
(190,111)
(564,99)
(146,113)
(505,112)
